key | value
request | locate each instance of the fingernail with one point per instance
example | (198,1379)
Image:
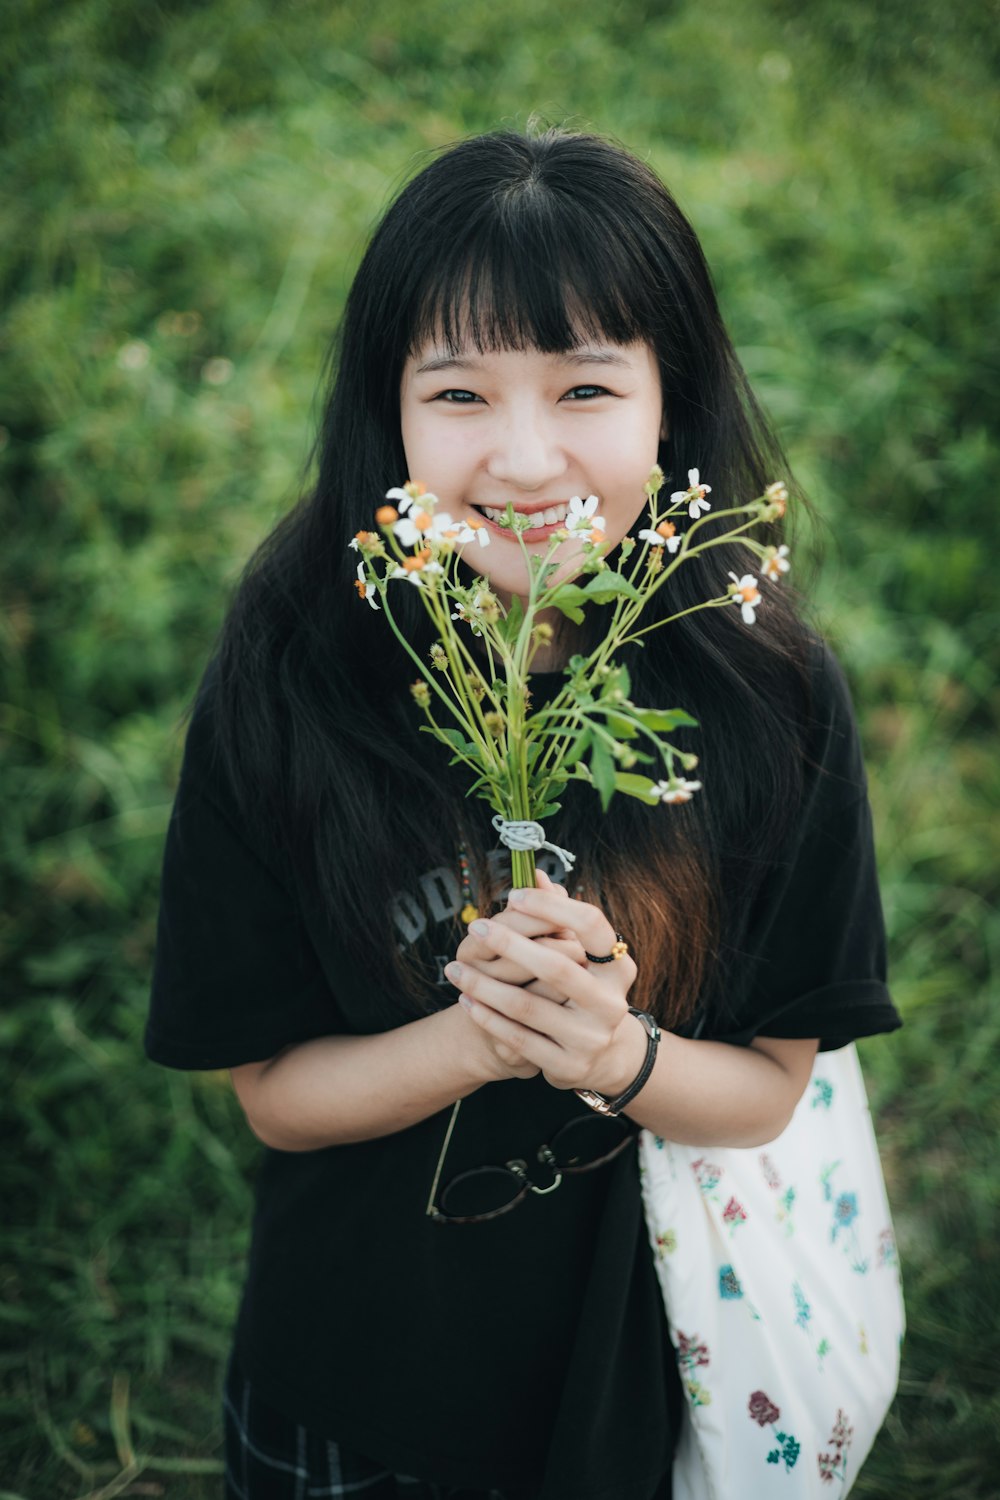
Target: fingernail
(465,1002)
(515,897)
(454,971)
(479,927)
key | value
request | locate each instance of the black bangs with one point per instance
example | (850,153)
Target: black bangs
(530,280)
(520,248)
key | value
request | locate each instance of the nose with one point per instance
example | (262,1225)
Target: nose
(525,454)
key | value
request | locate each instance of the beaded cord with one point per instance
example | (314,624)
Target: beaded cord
(470,911)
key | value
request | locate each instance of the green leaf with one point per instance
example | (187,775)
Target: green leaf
(578,747)
(634,786)
(509,627)
(546,811)
(570,600)
(602,769)
(608,585)
(665,719)
(620,727)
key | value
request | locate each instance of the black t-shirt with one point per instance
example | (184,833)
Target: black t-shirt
(530,1350)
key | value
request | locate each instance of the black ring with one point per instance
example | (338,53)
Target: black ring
(608,958)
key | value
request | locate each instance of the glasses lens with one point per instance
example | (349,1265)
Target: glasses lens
(488,1190)
(588,1141)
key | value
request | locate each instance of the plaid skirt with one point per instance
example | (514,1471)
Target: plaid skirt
(270,1457)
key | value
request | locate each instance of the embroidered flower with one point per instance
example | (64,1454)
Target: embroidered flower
(887,1255)
(745,593)
(789,1451)
(729,1284)
(364,588)
(694,496)
(734,1213)
(707,1173)
(770,1171)
(822,1093)
(842,1434)
(690,1354)
(803,1312)
(845,1211)
(762,1409)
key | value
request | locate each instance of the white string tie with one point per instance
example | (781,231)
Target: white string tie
(524,836)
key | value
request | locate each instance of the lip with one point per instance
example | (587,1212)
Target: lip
(538,533)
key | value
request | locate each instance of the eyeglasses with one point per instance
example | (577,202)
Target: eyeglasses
(487,1192)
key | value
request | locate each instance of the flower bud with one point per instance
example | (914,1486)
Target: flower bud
(495,724)
(421,693)
(439,660)
(654,483)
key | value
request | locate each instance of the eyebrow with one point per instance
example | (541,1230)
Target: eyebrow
(573,357)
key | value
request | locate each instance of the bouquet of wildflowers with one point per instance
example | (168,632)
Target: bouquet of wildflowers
(479,706)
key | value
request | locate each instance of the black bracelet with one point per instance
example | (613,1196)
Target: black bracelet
(615,1106)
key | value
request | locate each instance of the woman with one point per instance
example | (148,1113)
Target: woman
(533,320)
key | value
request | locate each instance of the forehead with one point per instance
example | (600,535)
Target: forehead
(435,355)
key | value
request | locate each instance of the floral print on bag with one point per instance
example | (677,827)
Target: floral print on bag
(764,1412)
(691,1356)
(833,1465)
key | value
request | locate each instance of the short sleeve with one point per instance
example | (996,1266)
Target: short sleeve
(813,961)
(235,975)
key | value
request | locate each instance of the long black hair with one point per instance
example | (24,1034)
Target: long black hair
(515,242)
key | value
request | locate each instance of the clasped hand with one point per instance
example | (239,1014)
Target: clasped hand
(525,980)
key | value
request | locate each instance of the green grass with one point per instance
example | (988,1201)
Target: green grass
(188,191)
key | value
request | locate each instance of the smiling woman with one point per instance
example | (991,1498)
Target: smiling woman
(533,324)
(534,430)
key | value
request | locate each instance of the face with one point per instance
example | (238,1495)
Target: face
(534,429)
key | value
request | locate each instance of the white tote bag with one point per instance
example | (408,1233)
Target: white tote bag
(781,1281)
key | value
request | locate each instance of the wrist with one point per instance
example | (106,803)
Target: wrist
(624,1061)
(637,1038)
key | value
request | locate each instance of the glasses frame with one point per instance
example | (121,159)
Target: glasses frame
(519,1169)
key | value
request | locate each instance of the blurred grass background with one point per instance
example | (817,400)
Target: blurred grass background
(186,191)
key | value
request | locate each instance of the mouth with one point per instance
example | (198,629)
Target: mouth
(544,520)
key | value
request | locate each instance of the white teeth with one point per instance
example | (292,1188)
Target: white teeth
(554,515)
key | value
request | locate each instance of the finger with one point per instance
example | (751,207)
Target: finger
(595,986)
(473,950)
(521,1041)
(546,883)
(588,922)
(477,953)
(601,1001)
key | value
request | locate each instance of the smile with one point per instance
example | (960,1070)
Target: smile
(543,522)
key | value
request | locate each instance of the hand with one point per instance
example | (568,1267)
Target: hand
(558,939)
(579,1034)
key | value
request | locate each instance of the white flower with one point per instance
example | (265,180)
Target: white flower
(582,515)
(776,563)
(665,535)
(675,790)
(416,574)
(746,594)
(423,527)
(693,496)
(462,613)
(365,589)
(411,494)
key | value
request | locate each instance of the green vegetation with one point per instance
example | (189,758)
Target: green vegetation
(188,188)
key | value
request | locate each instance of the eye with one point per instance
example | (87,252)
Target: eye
(457,397)
(586,393)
